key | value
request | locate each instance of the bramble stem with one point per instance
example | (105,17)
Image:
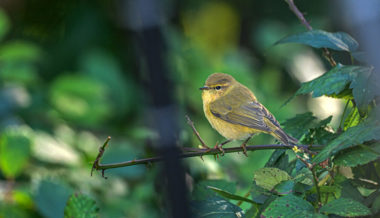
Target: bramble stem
(193,152)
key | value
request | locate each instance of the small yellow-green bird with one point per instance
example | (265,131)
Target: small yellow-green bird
(233,110)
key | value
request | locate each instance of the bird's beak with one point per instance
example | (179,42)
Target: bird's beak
(204,88)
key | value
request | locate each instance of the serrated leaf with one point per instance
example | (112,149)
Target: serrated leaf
(229,195)
(289,206)
(354,157)
(215,207)
(81,206)
(339,41)
(14,151)
(331,82)
(345,207)
(364,88)
(269,177)
(365,131)
(337,83)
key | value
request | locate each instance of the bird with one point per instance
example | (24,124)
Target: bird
(234,111)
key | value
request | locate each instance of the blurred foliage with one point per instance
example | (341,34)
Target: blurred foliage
(72,73)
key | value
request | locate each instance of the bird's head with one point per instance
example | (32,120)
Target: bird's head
(218,84)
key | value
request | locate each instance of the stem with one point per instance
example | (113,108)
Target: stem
(199,153)
(300,16)
(315,179)
(192,152)
(246,196)
(191,124)
(101,152)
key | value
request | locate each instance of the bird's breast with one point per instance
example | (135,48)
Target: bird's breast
(226,129)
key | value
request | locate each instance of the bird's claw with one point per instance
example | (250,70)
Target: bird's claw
(220,148)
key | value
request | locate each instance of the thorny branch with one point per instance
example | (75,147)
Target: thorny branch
(191,153)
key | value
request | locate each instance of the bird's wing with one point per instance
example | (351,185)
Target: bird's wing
(250,114)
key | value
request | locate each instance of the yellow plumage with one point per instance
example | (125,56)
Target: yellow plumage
(233,110)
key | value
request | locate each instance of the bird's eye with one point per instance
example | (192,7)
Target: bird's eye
(218,87)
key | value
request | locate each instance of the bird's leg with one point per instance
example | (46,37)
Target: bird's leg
(220,146)
(244,145)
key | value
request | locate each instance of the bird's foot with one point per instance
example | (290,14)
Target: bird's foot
(220,148)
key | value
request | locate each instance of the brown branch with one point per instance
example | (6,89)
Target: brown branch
(300,16)
(100,154)
(191,124)
(200,152)
(191,152)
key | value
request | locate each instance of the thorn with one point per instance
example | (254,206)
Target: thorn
(103,174)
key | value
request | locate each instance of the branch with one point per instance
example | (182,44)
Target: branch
(192,152)
(300,16)
(199,153)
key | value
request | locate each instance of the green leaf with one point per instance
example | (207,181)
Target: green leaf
(215,207)
(307,125)
(269,177)
(354,157)
(19,51)
(202,192)
(300,124)
(95,63)
(51,199)
(230,195)
(252,211)
(289,206)
(345,207)
(364,88)
(304,176)
(4,24)
(25,73)
(339,41)
(365,131)
(331,82)
(81,206)
(14,151)
(284,188)
(259,194)
(338,81)
(81,99)
(352,119)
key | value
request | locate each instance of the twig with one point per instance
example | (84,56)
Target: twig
(101,152)
(200,152)
(192,152)
(191,124)
(315,178)
(300,16)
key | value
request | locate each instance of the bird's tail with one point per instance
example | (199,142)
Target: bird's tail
(283,137)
